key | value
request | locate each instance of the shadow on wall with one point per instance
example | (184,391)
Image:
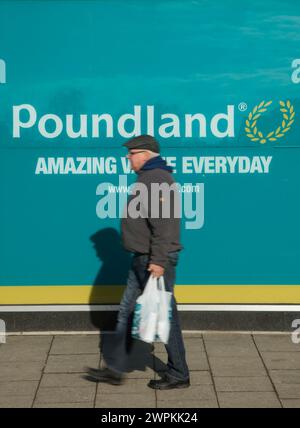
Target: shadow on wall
(115,263)
(115,260)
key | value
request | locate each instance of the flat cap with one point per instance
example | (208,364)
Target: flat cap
(146,142)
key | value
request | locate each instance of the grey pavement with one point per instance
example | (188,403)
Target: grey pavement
(227,370)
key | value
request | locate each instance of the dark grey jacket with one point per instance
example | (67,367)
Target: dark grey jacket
(149,235)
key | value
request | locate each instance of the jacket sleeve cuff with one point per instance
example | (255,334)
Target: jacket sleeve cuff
(158,261)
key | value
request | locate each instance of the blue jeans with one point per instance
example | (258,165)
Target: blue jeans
(116,357)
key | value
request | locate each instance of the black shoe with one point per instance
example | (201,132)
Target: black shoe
(167,383)
(104,375)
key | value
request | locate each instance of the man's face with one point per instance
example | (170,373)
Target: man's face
(137,158)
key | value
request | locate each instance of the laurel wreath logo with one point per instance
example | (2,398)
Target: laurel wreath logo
(252,130)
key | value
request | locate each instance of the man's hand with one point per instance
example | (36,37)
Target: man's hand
(156,270)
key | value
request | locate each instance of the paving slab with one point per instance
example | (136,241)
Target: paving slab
(190,343)
(27,355)
(188,334)
(18,388)
(61,380)
(291,404)
(25,348)
(71,363)
(237,366)
(64,405)
(288,390)
(29,340)
(128,401)
(201,377)
(77,344)
(17,371)
(285,376)
(16,402)
(159,348)
(55,365)
(199,392)
(182,404)
(246,384)
(140,362)
(140,374)
(248,400)
(275,343)
(197,377)
(130,386)
(67,395)
(194,343)
(232,338)
(281,360)
(197,361)
(219,349)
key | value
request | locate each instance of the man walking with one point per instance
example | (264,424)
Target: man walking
(154,242)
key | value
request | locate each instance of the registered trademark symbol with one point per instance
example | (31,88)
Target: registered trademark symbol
(242,106)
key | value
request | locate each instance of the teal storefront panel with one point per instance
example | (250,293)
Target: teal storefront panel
(77,59)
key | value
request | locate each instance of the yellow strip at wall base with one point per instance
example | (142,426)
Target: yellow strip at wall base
(192,294)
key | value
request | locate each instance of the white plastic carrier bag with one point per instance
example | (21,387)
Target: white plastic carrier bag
(152,313)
